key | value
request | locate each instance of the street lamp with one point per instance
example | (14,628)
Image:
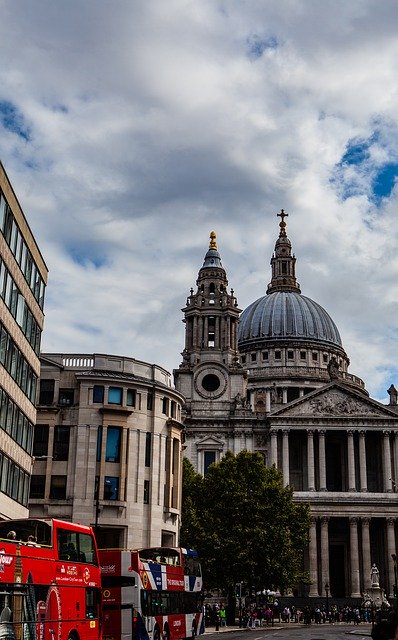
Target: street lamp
(394,588)
(327,600)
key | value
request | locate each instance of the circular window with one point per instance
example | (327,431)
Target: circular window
(211,382)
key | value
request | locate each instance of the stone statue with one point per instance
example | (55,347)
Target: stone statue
(333,368)
(374,576)
(393,393)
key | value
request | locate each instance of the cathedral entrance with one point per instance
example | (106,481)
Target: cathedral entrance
(337,564)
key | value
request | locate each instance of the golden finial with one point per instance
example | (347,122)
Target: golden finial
(213,241)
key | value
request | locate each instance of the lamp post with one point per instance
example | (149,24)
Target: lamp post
(327,600)
(395,587)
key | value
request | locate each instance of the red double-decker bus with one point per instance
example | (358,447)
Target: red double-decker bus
(149,594)
(50,581)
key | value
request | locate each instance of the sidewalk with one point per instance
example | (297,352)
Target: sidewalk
(361,630)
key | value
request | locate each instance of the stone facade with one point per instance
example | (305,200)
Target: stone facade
(108,447)
(23,277)
(283,388)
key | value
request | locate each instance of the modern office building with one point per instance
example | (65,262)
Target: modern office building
(275,379)
(108,448)
(23,278)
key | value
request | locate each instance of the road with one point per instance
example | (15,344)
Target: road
(294,632)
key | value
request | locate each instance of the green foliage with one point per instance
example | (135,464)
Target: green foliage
(244,524)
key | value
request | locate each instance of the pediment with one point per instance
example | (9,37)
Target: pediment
(210,443)
(335,400)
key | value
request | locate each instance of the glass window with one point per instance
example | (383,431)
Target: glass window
(99,443)
(149,401)
(66,397)
(98,393)
(40,440)
(46,394)
(208,458)
(111,488)
(58,487)
(290,355)
(2,211)
(61,443)
(113,442)
(146,491)
(277,355)
(37,486)
(131,397)
(148,447)
(165,406)
(115,395)
(303,355)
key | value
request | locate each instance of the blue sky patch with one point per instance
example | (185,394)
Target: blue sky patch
(384,181)
(361,173)
(257,46)
(85,256)
(12,120)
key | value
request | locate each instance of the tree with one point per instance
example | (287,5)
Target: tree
(244,524)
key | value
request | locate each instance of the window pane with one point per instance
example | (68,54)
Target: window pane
(131,397)
(208,458)
(115,395)
(111,488)
(113,439)
(98,393)
(37,486)
(46,396)
(58,487)
(61,443)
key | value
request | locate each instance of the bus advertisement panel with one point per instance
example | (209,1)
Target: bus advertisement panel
(50,581)
(149,594)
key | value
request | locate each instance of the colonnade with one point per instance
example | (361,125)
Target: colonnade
(359,556)
(318,463)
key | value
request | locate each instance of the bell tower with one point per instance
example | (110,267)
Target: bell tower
(210,371)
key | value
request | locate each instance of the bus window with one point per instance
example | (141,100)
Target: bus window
(92,603)
(192,566)
(76,546)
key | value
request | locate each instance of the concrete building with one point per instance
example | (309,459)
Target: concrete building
(279,384)
(108,448)
(23,278)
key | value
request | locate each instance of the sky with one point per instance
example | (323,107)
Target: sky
(130,129)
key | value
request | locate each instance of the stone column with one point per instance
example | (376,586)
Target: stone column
(355,584)
(322,461)
(285,457)
(366,553)
(313,560)
(387,462)
(391,548)
(267,400)
(351,461)
(284,395)
(310,460)
(362,461)
(274,447)
(324,553)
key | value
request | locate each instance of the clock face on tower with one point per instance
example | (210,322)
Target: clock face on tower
(210,382)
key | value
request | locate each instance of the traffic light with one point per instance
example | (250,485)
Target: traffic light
(238,590)
(395,590)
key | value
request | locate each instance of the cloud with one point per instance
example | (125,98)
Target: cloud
(131,130)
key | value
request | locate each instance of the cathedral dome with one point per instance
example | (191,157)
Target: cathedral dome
(286,315)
